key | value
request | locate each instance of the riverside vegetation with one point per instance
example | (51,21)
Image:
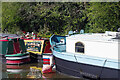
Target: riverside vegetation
(47,18)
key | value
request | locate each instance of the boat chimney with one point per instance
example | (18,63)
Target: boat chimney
(81,31)
(118,34)
(70,33)
(118,29)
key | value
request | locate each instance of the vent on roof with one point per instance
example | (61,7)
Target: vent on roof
(118,35)
(118,29)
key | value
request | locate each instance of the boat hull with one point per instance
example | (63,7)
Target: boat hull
(81,65)
(17,58)
(20,61)
(83,70)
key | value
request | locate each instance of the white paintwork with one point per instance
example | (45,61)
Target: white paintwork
(48,57)
(20,57)
(15,70)
(99,45)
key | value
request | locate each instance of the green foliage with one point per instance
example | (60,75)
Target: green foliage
(47,18)
(103,17)
(10,17)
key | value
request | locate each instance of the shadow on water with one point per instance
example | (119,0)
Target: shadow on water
(28,71)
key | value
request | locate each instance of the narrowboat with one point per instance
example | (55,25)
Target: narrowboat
(87,55)
(37,48)
(40,51)
(4,42)
(13,49)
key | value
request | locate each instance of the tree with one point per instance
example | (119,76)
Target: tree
(103,16)
(10,17)
(47,18)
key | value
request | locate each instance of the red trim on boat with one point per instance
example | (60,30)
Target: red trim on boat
(46,59)
(3,40)
(17,61)
(16,47)
(33,39)
(46,62)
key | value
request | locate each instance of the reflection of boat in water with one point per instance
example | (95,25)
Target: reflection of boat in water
(16,71)
(14,67)
(93,56)
(36,72)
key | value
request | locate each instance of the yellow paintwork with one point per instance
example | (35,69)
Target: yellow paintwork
(32,73)
(38,68)
(42,43)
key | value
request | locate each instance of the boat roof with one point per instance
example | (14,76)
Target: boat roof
(9,35)
(100,37)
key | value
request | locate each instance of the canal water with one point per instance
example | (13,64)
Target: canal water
(29,70)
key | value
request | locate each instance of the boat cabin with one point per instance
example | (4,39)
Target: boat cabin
(38,46)
(11,44)
(105,45)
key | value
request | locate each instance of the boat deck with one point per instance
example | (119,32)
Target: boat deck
(60,48)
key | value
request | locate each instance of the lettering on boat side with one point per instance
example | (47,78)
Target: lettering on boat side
(88,75)
(34,46)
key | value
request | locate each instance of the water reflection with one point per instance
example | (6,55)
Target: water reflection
(31,70)
(35,72)
(17,71)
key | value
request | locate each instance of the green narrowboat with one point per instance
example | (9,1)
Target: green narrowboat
(13,50)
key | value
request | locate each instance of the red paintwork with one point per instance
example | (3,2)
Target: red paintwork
(16,47)
(48,71)
(17,61)
(46,62)
(47,47)
(46,59)
(12,67)
(3,40)
(33,39)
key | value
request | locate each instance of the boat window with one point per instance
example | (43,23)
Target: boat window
(79,47)
(62,41)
